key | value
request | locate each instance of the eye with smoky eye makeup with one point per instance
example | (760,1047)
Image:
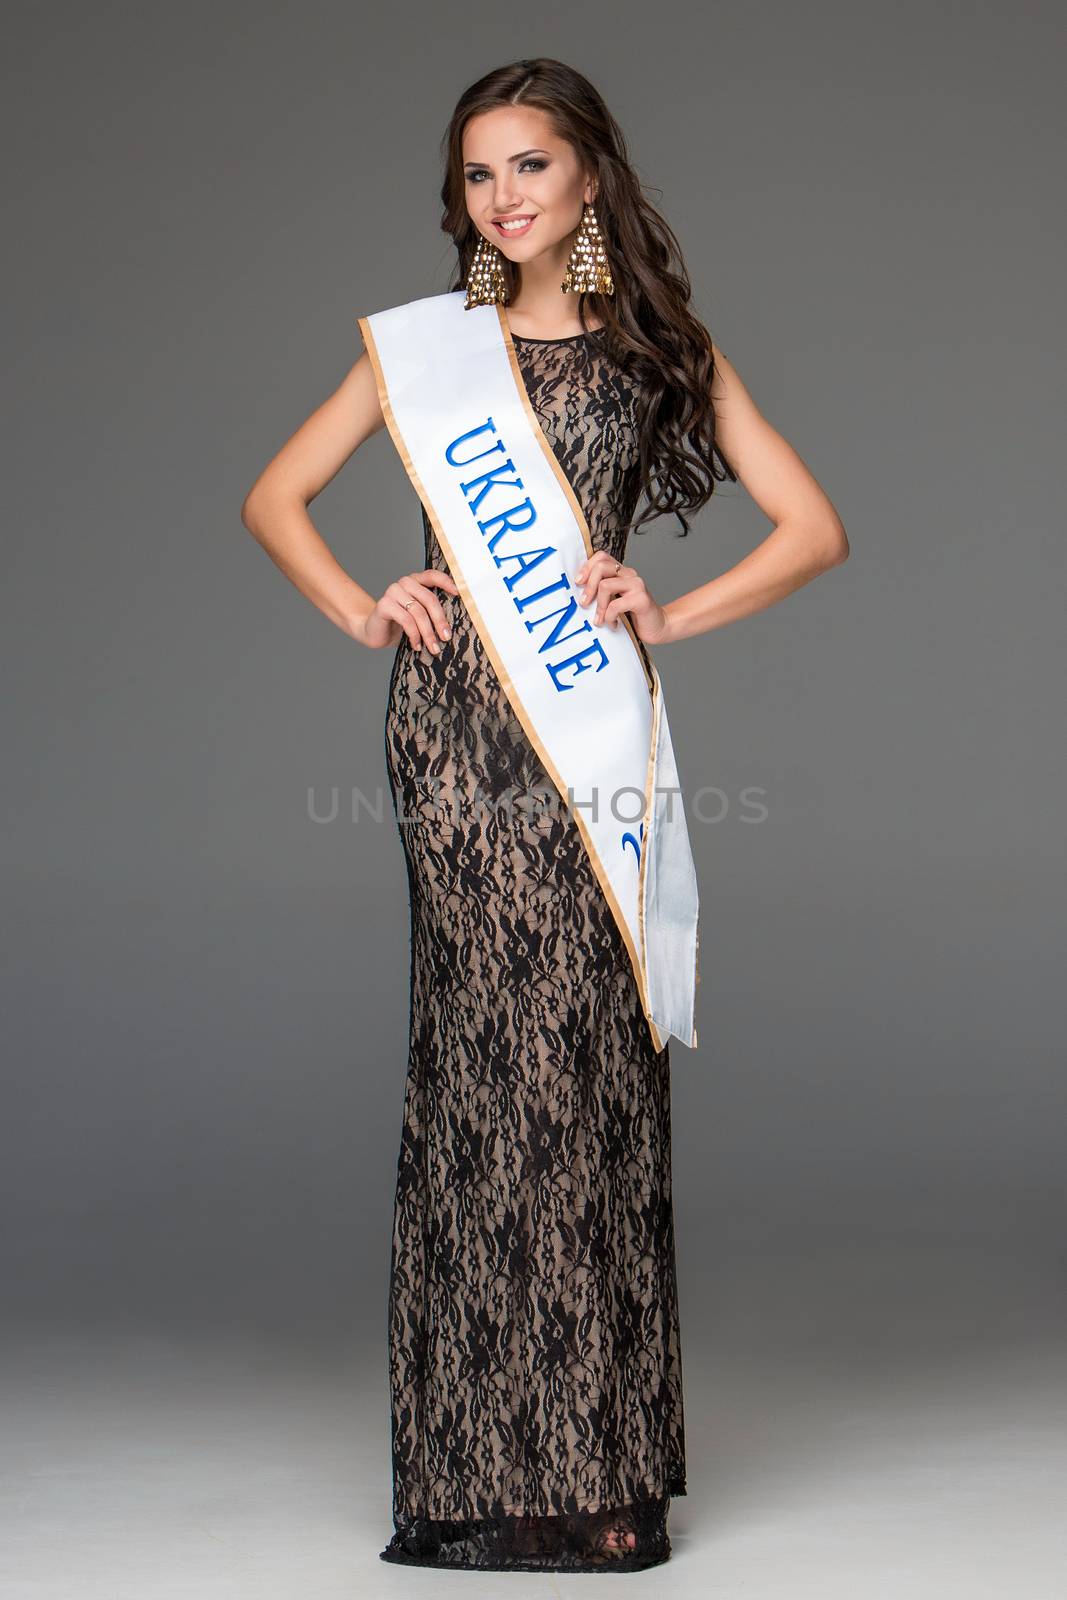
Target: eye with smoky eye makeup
(532,161)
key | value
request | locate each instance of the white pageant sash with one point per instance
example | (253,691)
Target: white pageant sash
(588,697)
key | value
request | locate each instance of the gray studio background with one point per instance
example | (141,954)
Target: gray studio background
(207,990)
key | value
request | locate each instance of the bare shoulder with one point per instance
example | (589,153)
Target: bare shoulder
(359,391)
(727,388)
(326,439)
(742,431)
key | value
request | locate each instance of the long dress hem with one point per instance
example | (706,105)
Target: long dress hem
(561,1543)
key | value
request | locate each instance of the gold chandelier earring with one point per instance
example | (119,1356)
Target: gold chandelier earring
(486,285)
(587,267)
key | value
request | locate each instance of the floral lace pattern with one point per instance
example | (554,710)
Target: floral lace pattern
(534,1350)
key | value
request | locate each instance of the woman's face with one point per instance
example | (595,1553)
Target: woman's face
(515,166)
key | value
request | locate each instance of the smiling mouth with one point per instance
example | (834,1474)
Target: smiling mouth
(515,228)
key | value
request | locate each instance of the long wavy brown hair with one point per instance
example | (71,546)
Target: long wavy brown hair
(648,326)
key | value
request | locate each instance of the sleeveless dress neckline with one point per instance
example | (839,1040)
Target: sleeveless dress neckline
(566,338)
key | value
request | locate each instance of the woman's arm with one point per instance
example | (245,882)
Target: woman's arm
(808,536)
(275,512)
(275,508)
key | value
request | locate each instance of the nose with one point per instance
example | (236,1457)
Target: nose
(505,195)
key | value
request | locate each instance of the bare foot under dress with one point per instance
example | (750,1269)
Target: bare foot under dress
(534,1352)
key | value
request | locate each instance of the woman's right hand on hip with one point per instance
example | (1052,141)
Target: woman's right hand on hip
(409,606)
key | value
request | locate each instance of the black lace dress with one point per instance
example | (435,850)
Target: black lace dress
(534,1355)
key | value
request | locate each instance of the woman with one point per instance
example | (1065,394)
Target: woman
(534,1343)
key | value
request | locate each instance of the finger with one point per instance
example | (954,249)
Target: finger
(417,585)
(614,610)
(597,572)
(394,609)
(443,580)
(589,565)
(410,599)
(607,587)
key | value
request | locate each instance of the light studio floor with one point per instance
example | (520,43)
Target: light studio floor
(870,1427)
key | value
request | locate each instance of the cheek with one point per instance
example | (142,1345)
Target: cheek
(565,204)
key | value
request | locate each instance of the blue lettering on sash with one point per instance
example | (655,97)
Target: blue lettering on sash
(518,516)
(629,838)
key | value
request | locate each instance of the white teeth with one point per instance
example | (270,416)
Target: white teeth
(513,227)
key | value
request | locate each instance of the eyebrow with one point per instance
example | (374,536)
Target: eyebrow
(510,158)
